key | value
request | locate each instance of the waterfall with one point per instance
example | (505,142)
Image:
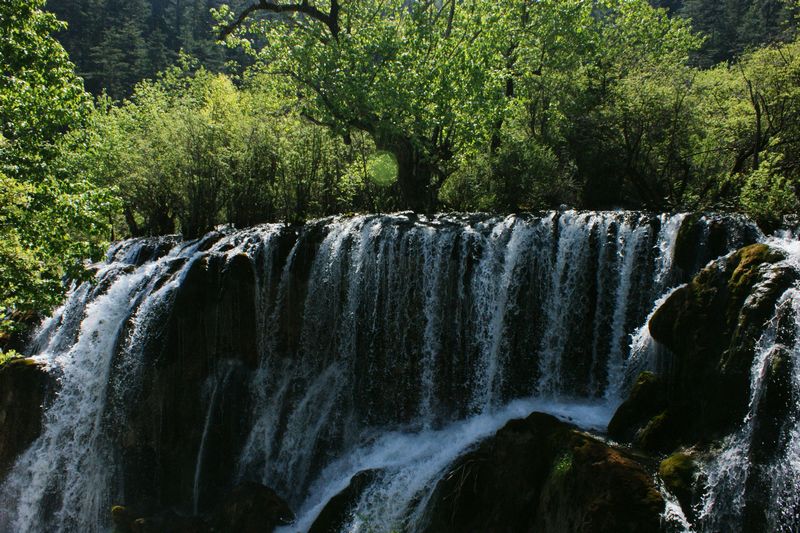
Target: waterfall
(381,344)
(730,475)
(71,460)
(217,385)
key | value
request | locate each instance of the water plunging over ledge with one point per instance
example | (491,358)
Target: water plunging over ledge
(299,357)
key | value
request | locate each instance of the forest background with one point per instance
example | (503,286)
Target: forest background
(147,117)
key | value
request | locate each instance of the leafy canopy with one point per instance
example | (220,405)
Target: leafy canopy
(49,221)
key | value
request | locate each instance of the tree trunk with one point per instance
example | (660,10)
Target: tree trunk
(414,174)
(130,220)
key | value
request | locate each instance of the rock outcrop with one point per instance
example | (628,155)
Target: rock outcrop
(711,327)
(24,385)
(540,474)
(248,508)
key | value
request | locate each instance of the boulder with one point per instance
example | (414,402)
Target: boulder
(646,400)
(251,508)
(248,508)
(24,386)
(337,512)
(679,472)
(711,327)
(540,474)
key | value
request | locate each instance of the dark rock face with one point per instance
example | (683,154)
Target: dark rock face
(24,385)
(249,508)
(336,513)
(252,508)
(705,237)
(199,364)
(711,326)
(539,474)
(647,400)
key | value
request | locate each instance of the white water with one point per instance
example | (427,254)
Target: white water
(673,519)
(413,340)
(729,472)
(71,458)
(408,464)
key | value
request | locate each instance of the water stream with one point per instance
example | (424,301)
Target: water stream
(384,344)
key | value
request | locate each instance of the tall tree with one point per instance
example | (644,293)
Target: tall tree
(733,26)
(116,44)
(49,222)
(419,77)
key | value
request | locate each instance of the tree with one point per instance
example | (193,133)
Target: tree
(575,111)
(191,150)
(419,77)
(116,44)
(49,221)
(760,131)
(733,26)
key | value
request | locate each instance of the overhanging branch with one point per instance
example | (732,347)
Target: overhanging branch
(330,19)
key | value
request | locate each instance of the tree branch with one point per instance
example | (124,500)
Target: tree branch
(331,19)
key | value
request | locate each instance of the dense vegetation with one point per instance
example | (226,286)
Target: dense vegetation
(116,43)
(372,105)
(50,219)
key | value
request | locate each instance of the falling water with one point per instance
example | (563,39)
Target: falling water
(730,473)
(71,460)
(388,344)
(218,384)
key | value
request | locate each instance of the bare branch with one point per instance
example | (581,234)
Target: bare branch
(331,19)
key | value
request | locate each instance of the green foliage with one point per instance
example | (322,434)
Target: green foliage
(768,193)
(191,150)
(473,105)
(50,221)
(382,169)
(115,43)
(418,78)
(734,26)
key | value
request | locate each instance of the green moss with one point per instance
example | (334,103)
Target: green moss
(647,398)
(659,433)
(562,465)
(750,259)
(677,471)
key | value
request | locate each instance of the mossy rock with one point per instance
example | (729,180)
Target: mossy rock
(678,472)
(718,235)
(647,398)
(540,474)
(660,434)
(711,326)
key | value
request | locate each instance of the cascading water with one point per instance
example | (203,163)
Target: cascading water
(381,344)
(68,468)
(733,475)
